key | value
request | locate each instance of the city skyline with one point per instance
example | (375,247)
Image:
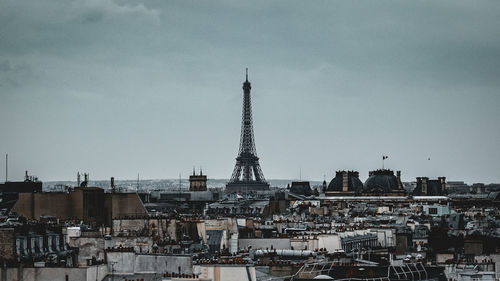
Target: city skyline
(116,88)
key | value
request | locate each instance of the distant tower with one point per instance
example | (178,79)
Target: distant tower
(247,175)
(197,182)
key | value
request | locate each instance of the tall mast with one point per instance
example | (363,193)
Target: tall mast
(6,167)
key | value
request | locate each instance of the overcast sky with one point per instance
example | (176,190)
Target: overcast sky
(116,88)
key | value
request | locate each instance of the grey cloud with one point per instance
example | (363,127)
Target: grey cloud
(95,11)
(14,75)
(156,85)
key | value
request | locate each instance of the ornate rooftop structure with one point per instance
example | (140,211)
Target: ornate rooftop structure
(383,181)
(345,181)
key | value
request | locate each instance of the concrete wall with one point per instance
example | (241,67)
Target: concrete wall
(385,237)
(158,227)
(121,262)
(88,248)
(120,225)
(129,263)
(141,244)
(229,272)
(34,205)
(76,203)
(163,263)
(263,243)
(124,205)
(201,196)
(329,241)
(153,226)
(306,243)
(94,247)
(91,273)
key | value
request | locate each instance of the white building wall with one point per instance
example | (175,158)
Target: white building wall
(263,243)
(329,241)
(223,273)
(129,263)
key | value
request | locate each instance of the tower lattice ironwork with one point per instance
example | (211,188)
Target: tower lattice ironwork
(247,174)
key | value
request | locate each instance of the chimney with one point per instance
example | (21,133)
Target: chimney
(398,175)
(424,185)
(345,181)
(113,183)
(443,183)
(78,179)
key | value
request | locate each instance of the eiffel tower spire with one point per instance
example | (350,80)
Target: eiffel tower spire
(247,174)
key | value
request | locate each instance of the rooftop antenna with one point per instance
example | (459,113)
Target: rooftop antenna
(247,74)
(137,187)
(6,166)
(113,184)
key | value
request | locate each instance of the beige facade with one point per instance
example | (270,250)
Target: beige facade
(90,204)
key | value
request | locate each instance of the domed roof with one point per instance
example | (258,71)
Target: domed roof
(353,182)
(381,181)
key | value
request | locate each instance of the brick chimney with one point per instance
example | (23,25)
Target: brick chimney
(398,175)
(345,181)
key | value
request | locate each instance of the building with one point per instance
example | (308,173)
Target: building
(89,204)
(301,188)
(457,187)
(247,175)
(358,242)
(345,183)
(428,187)
(383,182)
(10,190)
(197,182)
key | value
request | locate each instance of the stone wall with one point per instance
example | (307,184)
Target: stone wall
(125,205)
(87,248)
(130,263)
(71,205)
(7,244)
(264,243)
(229,272)
(149,227)
(91,273)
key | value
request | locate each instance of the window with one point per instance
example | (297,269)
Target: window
(433,211)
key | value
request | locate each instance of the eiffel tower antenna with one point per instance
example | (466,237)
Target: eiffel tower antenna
(247,174)
(137,187)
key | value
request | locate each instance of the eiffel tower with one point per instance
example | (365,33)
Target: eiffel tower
(247,175)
